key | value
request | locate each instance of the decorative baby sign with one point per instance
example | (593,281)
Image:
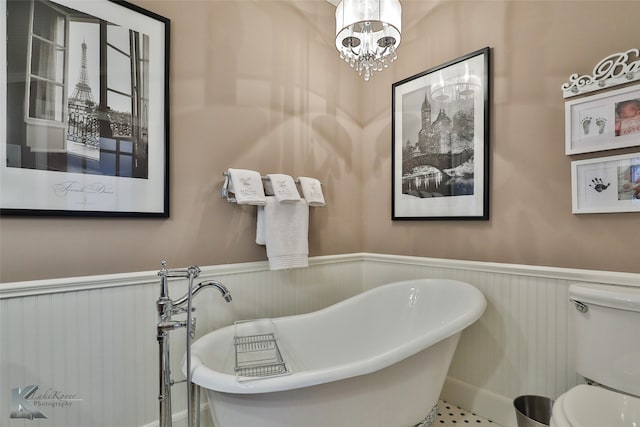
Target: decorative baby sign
(615,69)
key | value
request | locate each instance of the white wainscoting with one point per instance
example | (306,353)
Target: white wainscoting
(522,343)
(95,336)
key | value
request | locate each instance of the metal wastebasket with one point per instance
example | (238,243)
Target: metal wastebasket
(533,411)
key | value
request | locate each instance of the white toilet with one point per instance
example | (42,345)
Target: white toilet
(607,337)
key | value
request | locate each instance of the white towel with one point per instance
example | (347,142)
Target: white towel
(260,237)
(312,191)
(246,185)
(282,187)
(284,228)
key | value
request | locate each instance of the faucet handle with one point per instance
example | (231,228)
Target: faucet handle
(179,310)
(194,270)
(163,271)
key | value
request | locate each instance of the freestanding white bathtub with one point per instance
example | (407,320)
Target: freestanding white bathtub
(379,358)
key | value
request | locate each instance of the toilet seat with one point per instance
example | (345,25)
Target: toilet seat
(557,414)
(590,406)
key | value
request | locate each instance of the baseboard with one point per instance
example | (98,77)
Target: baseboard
(180,418)
(488,405)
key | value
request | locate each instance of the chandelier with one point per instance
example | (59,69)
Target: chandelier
(368,34)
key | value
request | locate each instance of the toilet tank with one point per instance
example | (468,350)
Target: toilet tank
(607,335)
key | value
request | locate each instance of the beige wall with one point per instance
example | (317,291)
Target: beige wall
(254,84)
(536,46)
(259,85)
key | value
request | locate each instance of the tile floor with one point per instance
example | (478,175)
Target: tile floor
(450,415)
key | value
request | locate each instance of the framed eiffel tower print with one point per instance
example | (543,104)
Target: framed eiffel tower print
(84,109)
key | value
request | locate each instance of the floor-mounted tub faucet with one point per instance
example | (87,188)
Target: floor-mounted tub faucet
(166,309)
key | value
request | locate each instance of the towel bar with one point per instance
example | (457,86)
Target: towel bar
(225,187)
(264,178)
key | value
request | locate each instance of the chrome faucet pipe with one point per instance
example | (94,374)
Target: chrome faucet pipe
(193,392)
(169,326)
(211,283)
(166,309)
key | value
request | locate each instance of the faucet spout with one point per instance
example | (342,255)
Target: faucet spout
(222,288)
(212,283)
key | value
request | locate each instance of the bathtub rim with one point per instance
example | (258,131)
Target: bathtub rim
(209,378)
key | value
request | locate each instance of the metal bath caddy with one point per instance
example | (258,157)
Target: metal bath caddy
(257,355)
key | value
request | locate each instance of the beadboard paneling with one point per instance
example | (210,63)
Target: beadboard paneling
(522,343)
(98,342)
(519,345)
(95,337)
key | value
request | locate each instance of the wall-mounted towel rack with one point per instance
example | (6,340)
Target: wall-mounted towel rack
(264,178)
(226,194)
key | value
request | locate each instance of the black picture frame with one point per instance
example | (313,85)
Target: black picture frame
(440,141)
(84,109)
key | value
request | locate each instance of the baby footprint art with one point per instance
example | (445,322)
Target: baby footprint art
(585,124)
(598,185)
(601,122)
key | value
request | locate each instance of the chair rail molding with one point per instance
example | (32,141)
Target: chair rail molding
(70,284)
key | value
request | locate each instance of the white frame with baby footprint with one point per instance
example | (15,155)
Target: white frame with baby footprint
(590,122)
(606,184)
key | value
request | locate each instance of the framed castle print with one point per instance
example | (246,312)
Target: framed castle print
(84,109)
(440,142)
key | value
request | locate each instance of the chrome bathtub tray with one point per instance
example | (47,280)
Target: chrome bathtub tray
(257,352)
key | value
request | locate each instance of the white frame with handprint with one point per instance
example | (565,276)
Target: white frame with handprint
(606,184)
(590,122)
